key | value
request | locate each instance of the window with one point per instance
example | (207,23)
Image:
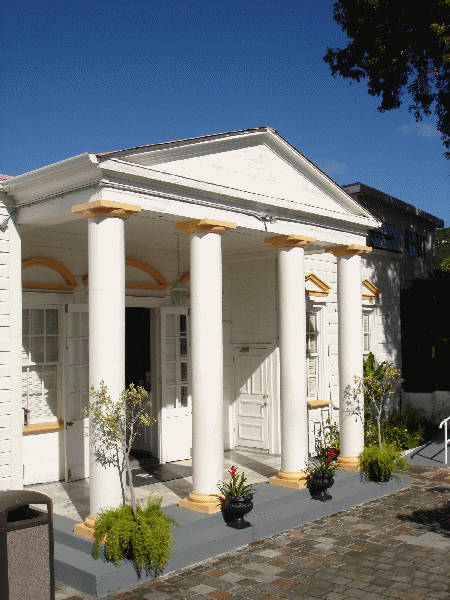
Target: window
(415,244)
(385,237)
(40,360)
(367,341)
(312,355)
(176,361)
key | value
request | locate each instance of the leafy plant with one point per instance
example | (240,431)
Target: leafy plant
(393,431)
(236,486)
(377,464)
(331,439)
(110,421)
(326,466)
(146,536)
(377,384)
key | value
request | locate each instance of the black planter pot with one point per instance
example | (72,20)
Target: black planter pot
(319,485)
(235,508)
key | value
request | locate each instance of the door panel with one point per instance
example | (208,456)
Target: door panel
(76,395)
(176,408)
(251,399)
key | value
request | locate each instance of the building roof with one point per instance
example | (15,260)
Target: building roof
(363,189)
(5,177)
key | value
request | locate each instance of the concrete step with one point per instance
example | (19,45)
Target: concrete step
(200,537)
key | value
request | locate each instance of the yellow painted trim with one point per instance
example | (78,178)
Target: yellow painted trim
(349,463)
(290,241)
(186,277)
(48,427)
(142,266)
(348,250)
(203,503)
(205,226)
(374,291)
(41,261)
(318,403)
(86,529)
(106,208)
(324,289)
(296,483)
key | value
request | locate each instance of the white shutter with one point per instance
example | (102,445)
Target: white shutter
(78,358)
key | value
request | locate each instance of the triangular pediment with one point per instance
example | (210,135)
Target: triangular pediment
(257,162)
(316,286)
(369,290)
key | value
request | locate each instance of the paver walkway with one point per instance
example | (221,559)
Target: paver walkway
(394,547)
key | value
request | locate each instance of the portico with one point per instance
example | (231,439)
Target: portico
(265,342)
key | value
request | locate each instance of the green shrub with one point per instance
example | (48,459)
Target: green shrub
(393,432)
(378,465)
(147,538)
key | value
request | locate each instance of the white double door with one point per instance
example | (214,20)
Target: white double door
(251,398)
(175,420)
(76,392)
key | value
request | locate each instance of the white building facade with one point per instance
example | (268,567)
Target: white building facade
(226,273)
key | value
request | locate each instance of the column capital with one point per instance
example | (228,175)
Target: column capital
(106,208)
(290,241)
(205,226)
(348,250)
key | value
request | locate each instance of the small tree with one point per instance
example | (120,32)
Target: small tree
(113,418)
(377,384)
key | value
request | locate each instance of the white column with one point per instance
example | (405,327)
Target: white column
(350,352)
(292,331)
(206,361)
(106,247)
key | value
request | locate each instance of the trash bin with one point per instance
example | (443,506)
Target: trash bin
(26,547)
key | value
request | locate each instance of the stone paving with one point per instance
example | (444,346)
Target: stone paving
(394,547)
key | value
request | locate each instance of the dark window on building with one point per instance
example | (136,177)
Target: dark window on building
(415,244)
(384,237)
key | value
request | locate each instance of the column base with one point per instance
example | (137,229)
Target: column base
(349,463)
(207,504)
(86,529)
(296,480)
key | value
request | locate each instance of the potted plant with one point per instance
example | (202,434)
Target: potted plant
(377,464)
(321,476)
(238,499)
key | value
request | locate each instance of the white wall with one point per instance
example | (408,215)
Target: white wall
(11,414)
(43,457)
(434,405)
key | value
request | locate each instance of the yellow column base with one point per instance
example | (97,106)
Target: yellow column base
(296,480)
(86,529)
(207,504)
(349,463)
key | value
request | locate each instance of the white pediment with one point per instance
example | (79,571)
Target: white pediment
(261,163)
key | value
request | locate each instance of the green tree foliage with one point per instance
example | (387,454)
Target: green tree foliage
(377,384)
(112,420)
(398,46)
(443,248)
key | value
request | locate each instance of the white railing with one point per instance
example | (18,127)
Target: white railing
(444,423)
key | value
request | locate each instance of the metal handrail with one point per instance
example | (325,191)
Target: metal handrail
(444,422)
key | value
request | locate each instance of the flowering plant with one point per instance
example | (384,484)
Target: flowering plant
(236,486)
(327,466)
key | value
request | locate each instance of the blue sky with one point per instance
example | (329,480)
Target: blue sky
(97,76)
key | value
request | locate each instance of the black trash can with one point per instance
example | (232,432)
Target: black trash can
(26,547)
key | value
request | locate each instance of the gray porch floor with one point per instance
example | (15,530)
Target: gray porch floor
(172,481)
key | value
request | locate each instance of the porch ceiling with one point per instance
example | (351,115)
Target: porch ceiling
(158,230)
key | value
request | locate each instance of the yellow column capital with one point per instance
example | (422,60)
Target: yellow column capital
(106,208)
(348,250)
(205,226)
(290,241)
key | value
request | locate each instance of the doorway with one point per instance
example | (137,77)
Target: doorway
(138,368)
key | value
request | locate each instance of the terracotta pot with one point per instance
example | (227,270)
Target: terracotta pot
(235,508)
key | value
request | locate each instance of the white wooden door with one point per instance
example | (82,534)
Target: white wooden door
(175,431)
(251,401)
(76,392)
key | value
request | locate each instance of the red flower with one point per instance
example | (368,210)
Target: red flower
(233,472)
(331,454)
